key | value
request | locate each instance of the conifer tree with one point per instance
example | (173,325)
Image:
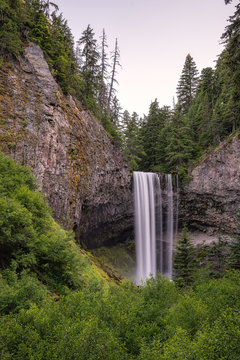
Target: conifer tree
(113,80)
(181,147)
(231,37)
(103,90)
(90,67)
(12,17)
(150,131)
(161,148)
(62,54)
(116,112)
(200,113)
(234,256)
(187,84)
(185,263)
(225,111)
(132,146)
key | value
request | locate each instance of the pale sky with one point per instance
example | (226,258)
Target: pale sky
(154,38)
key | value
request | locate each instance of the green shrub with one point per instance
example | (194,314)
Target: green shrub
(18,291)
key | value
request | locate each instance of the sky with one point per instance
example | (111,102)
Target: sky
(154,38)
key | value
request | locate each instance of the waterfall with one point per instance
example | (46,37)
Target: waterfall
(155,224)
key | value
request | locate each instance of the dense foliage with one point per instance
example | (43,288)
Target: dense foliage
(54,303)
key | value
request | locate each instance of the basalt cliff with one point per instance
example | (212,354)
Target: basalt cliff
(84,177)
(211,200)
(82,174)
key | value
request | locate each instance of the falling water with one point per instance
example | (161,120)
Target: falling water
(169,232)
(145,228)
(154,224)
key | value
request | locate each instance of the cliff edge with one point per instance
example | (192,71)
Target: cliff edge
(82,174)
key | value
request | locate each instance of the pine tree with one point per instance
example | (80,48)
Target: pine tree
(115,115)
(115,64)
(200,113)
(225,111)
(90,68)
(62,54)
(161,148)
(12,17)
(132,146)
(187,84)
(103,90)
(231,37)
(185,263)
(181,147)
(234,257)
(150,131)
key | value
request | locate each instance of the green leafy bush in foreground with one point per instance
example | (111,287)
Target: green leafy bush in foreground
(30,241)
(54,304)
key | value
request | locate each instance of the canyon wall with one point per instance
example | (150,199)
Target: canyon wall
(211,200)
(85,180)
(80,171)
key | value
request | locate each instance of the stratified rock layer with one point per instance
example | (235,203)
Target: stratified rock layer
(82,174)
(211,200)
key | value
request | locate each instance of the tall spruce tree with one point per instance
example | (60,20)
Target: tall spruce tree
(181,148)
(103,89)
(12,17)
(150,132)
(184,262)
(187,84)
(225,111)
(113,80)
(234,256)
(132,146)
(161,148)
(200,113)
(90,70)
(116,112)
(231,37)
(63,58)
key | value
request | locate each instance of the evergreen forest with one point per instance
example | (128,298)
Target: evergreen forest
(56,302)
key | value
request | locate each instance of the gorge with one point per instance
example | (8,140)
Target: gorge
(85,179)
(74,165)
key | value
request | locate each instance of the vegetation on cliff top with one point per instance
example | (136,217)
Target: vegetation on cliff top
(82,71)
(207,110)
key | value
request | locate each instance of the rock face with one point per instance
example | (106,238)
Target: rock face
(82,174)
(211,200)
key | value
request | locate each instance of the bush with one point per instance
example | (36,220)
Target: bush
(18,291)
